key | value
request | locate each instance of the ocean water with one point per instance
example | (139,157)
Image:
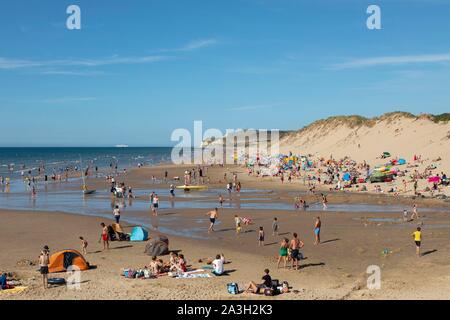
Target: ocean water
(15,160)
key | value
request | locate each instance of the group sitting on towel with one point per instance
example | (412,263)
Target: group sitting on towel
(157,267)
(176,264)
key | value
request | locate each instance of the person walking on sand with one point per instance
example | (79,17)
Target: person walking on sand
(155,205)
(317,227)
(415,214)
(417,235)
(275,226)
(261,236)
(324,201)
(84,245)
(44,261)
(221,201)
(213,215)
(283,252)
(116,213)
(405,215)
(295,246)
(104,236)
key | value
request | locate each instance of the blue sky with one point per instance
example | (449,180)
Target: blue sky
(137,70)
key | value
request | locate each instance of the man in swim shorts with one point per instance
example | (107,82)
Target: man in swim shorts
(104,237)
(317,227)
(212,219)
(295,246)
(44,261)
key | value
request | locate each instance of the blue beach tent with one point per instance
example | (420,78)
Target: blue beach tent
(139,234)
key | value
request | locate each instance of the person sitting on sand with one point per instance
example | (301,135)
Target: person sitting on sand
(84,245)
(283,252)
(3,282)
(255,288)
(156,266)
(218,265)
(104,237)
(173,261)
(181,264)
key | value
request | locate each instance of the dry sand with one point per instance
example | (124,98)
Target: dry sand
(335,269)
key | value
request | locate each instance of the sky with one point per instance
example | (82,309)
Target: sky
(139,69)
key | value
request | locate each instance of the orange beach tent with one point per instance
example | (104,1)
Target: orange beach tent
(61,260)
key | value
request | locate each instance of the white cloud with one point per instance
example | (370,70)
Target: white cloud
(193,45)
(6,63)
(73,73)
(198,44)
(391,60)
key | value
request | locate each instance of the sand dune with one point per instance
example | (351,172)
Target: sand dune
(401,134)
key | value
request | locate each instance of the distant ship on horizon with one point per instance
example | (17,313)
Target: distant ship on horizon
(121,146)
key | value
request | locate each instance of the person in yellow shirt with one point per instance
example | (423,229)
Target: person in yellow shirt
(417,239)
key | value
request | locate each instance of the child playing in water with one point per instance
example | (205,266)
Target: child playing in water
(84,245)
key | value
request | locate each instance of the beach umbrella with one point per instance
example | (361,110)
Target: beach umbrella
(346,177)
(434,179)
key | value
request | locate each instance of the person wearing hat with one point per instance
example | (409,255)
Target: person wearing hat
(44,261)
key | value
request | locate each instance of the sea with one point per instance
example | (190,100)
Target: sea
(14,161)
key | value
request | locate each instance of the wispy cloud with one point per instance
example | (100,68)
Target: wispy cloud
(72,73)
(15,63)
(192,45)
(391,60)
(6,63)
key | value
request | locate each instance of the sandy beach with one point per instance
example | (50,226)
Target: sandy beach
(335,269)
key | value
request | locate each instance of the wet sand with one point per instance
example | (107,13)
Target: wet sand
(336,269)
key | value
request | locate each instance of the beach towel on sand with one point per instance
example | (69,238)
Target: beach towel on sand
(193,276)
(17,289)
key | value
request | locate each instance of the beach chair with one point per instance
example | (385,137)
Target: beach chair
(120,234)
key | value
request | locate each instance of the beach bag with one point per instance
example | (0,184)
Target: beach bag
(275,283)
(130,273)
(269,292)
(232,288)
